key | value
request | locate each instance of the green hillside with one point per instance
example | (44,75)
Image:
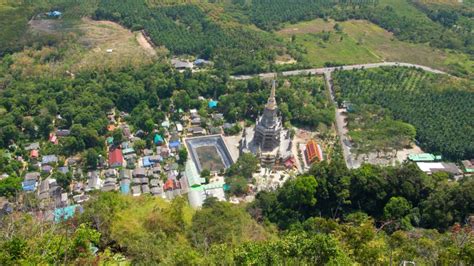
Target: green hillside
(222,30)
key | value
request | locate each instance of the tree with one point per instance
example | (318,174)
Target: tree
(245,166)
(118,136)
(63,180)
(238,185)
(139,145)
(206,174)
(222,223)
(183,156)
(397,210)
(10,186)
(92,158)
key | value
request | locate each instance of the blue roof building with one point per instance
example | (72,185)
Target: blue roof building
(125,188)
(147,162)
(29,185)
(63,169)
(175,144)
(63,214)
(47,159)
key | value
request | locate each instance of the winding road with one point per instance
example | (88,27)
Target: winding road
(323,70)
(340,118)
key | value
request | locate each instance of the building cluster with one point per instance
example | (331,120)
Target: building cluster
(155,170)
(181,64)
(431,164)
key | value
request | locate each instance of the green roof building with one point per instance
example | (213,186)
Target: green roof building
(128,151)
(158,139)
(424,157)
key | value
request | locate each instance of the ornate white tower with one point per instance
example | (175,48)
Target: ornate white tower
(269,125)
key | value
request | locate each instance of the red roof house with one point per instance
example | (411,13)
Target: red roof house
(169,185)
(53,139)
(115,158)
(34,154)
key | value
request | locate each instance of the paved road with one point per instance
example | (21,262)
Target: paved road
(321,71)
(340,125)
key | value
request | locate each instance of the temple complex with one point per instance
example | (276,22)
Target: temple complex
(268,139)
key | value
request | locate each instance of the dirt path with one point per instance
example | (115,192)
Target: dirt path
(145,44)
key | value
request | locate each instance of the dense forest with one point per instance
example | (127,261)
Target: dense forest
(330,190)
(319,218)
(439,107)
(186,29)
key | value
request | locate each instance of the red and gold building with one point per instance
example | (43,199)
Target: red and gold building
(313,152)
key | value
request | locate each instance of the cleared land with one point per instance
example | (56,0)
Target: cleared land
(360,41)
(104,35)
(86,44)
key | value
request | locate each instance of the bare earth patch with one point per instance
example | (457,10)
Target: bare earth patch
(85,44)
(145,44)
(313,26)
(109,45)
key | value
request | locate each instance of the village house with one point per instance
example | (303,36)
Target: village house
(125,186)
(196,131)
(139,172)
(196,121)
(49,159)
(136,190)
(115,158)
(32,146)
(93,181)
(63,132)
(110,184)
(30,182)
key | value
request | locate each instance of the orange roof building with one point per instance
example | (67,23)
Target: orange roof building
(313,152)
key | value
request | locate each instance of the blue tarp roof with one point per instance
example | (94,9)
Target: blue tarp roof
(62,214)
(125,189)
(174,144)
(28,185)
(146,161)
(212,104)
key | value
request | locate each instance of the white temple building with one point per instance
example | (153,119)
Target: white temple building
(268,140)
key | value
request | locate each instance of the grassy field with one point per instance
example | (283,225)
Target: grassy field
(364,42)
(84,47)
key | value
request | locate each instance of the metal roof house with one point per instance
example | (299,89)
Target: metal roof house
(49,159)
(115,158)
(423,157)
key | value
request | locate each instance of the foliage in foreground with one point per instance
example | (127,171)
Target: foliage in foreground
(148,230)
(401,197)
